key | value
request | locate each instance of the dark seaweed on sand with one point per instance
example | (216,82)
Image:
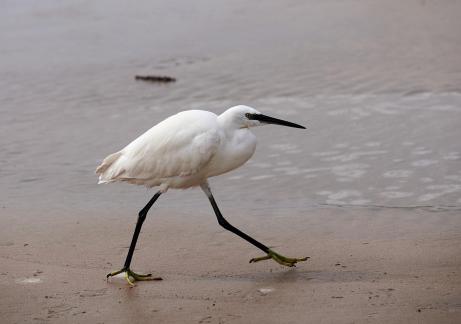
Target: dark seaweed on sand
(155,78)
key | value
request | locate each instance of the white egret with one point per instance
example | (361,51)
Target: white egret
(183,151)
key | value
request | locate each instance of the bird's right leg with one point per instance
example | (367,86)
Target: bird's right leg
(126,268)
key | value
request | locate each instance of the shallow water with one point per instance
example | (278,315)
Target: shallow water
(378,83)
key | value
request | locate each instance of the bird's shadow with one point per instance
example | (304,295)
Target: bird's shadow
(296,275)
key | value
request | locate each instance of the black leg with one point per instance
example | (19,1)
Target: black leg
(141,217)
(126,268)
(289,262)
(224,223)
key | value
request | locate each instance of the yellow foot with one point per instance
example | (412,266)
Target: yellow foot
(130,274)
(289,262)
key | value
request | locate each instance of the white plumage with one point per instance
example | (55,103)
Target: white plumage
(184,150)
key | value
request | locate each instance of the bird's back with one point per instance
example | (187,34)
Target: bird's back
(179,146)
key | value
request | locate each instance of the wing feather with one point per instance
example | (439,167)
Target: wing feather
(179,146)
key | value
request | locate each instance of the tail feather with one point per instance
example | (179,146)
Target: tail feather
(105,165)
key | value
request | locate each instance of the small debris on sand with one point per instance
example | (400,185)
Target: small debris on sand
(155,78)
(265,291)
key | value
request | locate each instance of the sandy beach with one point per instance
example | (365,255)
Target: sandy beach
(371,191)
(367,265)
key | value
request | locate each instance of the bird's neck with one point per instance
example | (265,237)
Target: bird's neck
(229,122)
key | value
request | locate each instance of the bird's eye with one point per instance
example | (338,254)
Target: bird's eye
(248,115)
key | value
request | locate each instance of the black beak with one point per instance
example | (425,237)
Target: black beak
(271,120)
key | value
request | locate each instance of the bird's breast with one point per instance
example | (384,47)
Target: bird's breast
(233,152)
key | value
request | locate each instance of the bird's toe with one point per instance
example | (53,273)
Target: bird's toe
(280,259)
(131,276)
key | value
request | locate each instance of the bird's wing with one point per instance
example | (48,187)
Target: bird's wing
(179,146)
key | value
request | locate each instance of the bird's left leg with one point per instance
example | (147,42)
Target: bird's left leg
(289,262)
(126,268)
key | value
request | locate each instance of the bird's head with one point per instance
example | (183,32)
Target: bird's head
(246,117)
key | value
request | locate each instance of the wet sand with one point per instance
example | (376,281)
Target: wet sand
(367,265)
(370,191)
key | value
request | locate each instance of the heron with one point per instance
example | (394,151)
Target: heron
(183,151)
